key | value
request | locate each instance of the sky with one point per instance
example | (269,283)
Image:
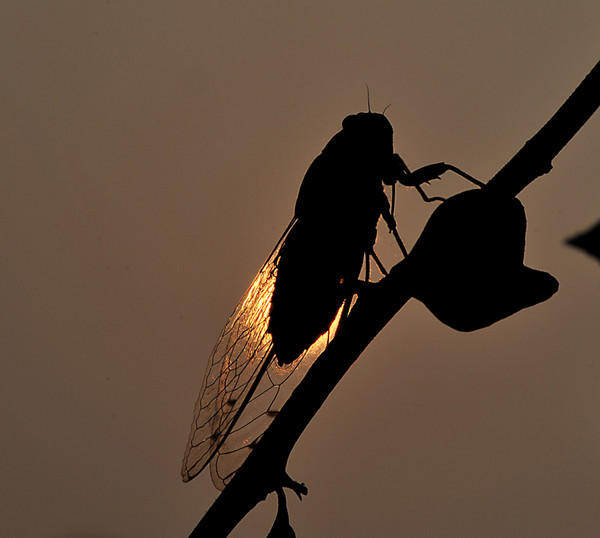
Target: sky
(150,156)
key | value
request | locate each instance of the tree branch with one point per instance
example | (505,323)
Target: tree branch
(535,157)
(264,469)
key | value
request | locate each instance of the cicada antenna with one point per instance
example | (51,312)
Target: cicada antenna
(368,98)
(386,108)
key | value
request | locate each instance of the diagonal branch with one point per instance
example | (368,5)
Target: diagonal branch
(535,157)
(264,469)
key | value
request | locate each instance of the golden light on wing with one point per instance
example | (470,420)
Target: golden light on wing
(244,388)
(242,347)
(275,388)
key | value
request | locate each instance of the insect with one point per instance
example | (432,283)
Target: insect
(302,293)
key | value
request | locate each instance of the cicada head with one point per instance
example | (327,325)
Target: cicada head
(371,128)
(372,136)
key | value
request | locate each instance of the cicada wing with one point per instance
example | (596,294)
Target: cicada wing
(242,348)
(244,387)
(272,391)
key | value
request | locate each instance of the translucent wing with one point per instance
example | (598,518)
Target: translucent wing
(244,387)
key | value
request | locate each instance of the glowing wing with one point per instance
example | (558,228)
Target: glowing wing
(244,387)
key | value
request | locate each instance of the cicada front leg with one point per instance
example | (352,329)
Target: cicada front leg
(430,172)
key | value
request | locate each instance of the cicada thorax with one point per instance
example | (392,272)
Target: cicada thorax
(339,204)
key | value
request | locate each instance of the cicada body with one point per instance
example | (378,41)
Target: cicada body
(299,297)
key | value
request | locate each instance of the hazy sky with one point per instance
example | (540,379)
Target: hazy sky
(151,153)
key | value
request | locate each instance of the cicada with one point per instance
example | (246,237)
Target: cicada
(301,295)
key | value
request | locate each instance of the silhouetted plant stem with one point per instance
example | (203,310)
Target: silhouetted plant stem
(535,157)
(264,469)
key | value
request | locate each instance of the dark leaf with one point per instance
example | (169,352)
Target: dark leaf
(588,241)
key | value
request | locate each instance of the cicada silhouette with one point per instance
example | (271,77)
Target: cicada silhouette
(302,293)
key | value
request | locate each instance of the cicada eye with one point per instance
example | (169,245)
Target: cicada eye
(350,122)
(397,170)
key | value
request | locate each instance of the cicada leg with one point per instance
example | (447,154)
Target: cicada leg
(378,262)
(465,175)
(428,198)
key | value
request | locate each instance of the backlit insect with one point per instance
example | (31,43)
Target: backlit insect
(301,294)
